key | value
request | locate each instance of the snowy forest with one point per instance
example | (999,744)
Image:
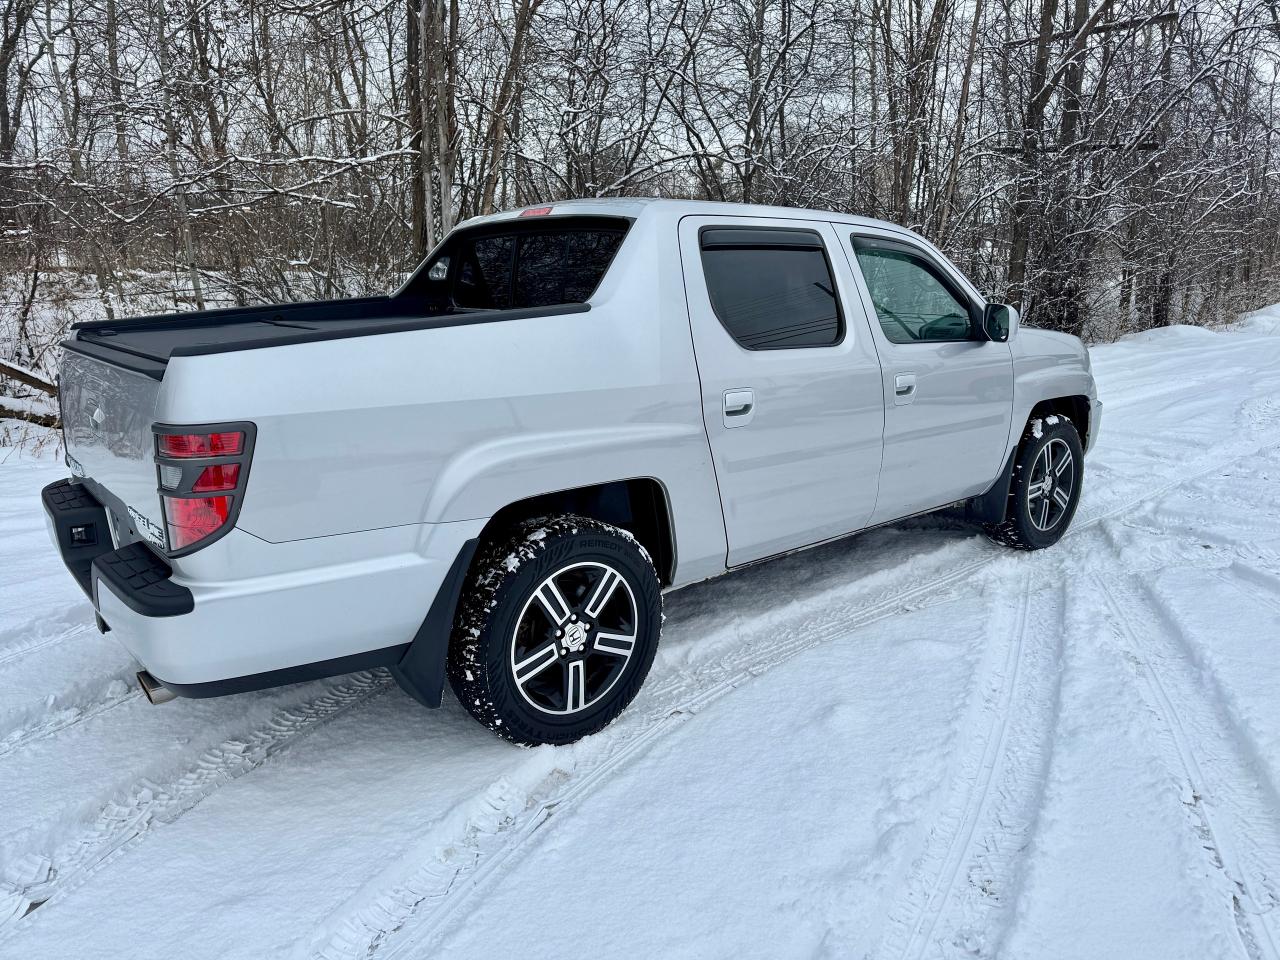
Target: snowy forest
(1105,165)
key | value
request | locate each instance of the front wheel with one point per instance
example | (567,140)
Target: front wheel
(1047,477)
(557,631)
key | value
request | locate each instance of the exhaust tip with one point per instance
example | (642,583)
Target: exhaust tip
(155,691)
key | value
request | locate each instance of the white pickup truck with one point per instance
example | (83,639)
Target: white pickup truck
(493,474)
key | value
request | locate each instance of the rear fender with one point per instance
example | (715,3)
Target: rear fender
(484,479)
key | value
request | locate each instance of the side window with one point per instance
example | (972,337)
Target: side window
(771,288)
(913,300)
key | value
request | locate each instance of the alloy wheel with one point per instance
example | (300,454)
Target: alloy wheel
(1052,483)
(574,638)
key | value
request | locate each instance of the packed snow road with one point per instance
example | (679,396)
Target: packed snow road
(907,744)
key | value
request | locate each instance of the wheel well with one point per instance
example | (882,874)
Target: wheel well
(638,506)
(1075,409)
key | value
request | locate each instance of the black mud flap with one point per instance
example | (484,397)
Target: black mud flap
(421,671)
(992,506)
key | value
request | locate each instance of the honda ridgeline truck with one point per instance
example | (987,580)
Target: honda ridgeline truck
(492,475)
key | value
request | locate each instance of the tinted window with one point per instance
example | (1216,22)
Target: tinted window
(484,275)
(772,289)
(912,301)
(533,268)
(563,267)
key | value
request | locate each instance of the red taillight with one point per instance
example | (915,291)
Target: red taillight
(201,499)
(220,476)
(536,212)
(184,445)
(191,519)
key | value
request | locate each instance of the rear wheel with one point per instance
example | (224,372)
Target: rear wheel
(1047,477)
(557,631)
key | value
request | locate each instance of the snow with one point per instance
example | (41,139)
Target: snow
(908,744)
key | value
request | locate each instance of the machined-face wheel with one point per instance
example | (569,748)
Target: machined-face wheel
(1051,485)
(573,638)
(557,629)
(1045,478)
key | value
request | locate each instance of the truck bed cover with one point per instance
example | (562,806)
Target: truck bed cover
(145,344)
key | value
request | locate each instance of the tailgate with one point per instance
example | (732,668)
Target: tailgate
(107,415)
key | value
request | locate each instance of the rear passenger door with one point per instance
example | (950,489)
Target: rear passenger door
(948,391)
(791,386)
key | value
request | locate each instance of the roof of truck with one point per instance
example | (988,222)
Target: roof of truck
(635,206)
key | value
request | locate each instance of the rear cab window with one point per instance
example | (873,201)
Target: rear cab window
(771,287)
(519,264)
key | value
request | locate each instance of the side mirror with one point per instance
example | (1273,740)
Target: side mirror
(998,321)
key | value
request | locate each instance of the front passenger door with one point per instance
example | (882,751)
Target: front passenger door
(948,391)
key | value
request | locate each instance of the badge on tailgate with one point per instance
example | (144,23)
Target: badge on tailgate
(147,528)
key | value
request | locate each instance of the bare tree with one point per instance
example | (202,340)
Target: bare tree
(1106,164)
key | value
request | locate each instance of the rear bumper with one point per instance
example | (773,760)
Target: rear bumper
(1095,423)
(139,578)
(308,609)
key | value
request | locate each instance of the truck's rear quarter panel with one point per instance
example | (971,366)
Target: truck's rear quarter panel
(452,423)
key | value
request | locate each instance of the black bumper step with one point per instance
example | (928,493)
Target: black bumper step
(135,574)
(141,579)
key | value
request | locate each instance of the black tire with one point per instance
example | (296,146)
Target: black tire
(573,682)
(1036,516)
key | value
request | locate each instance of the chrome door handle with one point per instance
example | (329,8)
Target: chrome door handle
(739,406)
(904,388)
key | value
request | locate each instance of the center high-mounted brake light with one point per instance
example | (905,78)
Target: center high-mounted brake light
(191,466)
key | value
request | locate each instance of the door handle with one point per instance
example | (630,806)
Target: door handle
(739,406)
(904,388)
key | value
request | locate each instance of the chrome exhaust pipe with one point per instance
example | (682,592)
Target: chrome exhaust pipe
(155,691)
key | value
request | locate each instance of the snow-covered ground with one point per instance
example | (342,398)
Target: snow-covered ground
(908,744)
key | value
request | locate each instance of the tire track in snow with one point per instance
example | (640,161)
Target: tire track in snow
(1263,580)
(454,868)
(27,645)
(985,859)
(1229,808)
(39,877)
(57,716)
(510,817)
(971,852)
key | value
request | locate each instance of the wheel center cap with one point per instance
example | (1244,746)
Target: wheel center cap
(575,637)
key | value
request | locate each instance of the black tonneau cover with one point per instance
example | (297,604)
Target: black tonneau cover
(145,344)
(184,334)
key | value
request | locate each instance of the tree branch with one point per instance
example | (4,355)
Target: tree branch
(29,377)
